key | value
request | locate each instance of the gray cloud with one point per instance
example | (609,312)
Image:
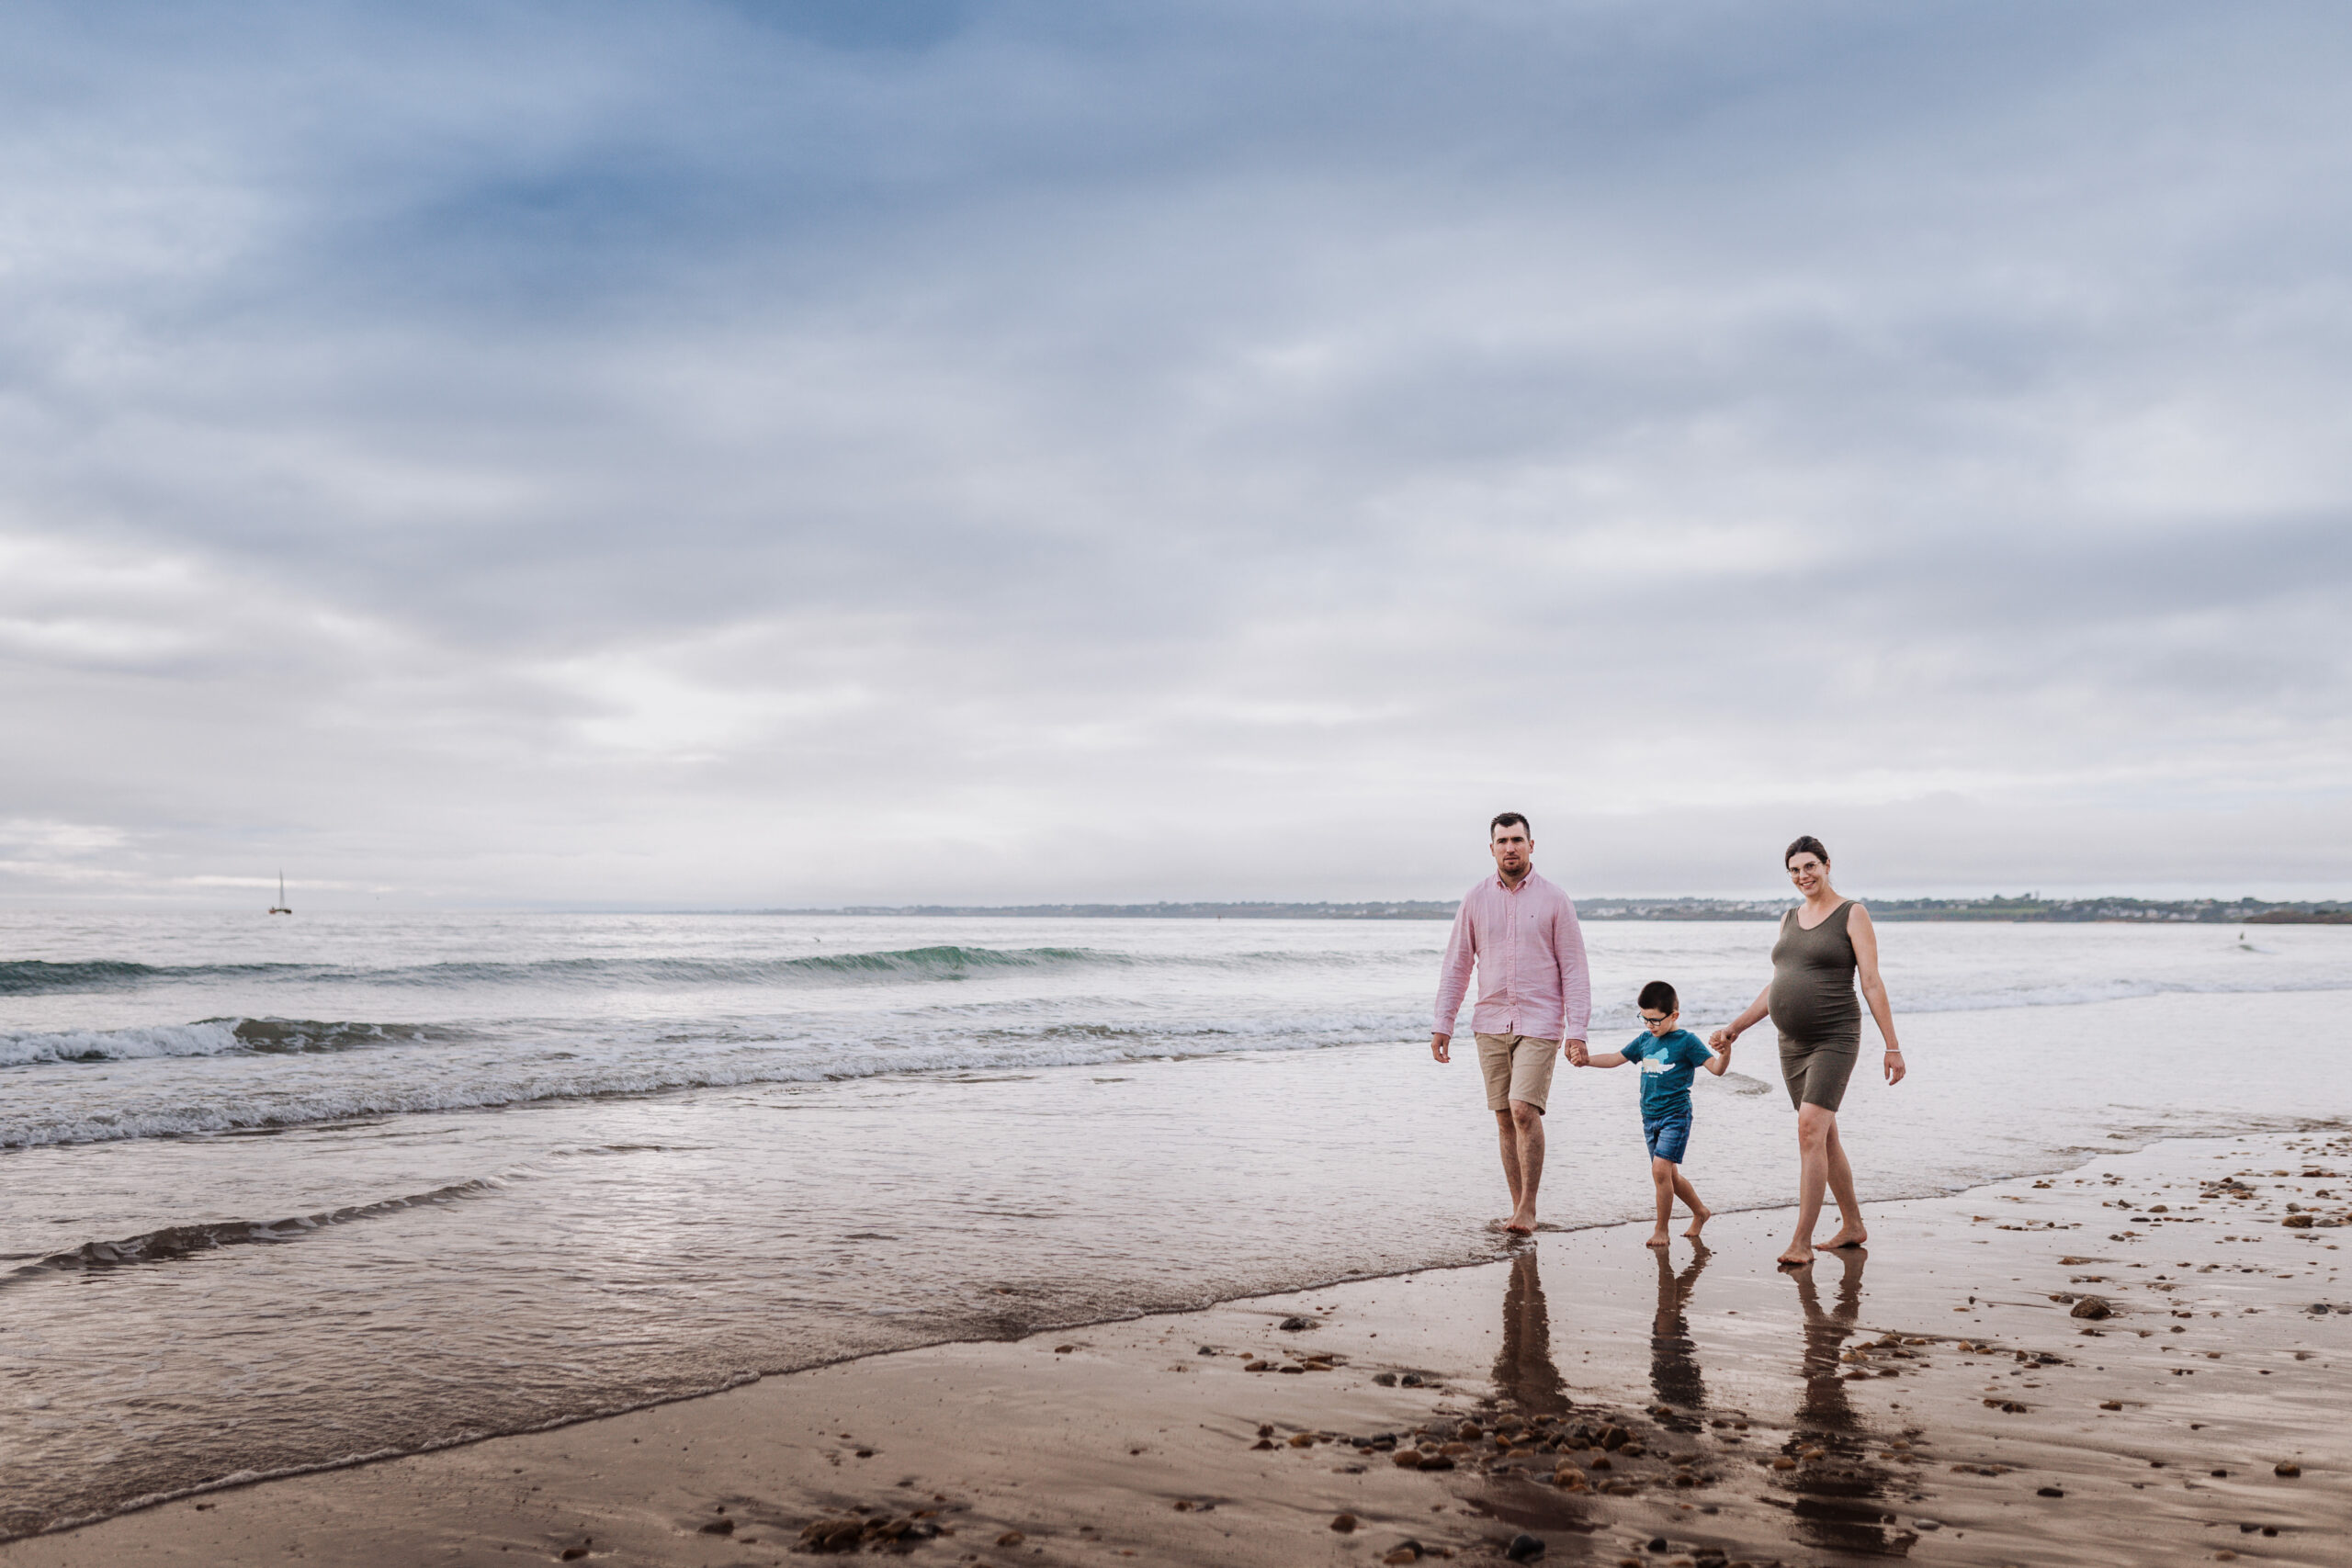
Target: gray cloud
(783,453)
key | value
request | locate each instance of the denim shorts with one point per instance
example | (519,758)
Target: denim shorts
(1668,1136)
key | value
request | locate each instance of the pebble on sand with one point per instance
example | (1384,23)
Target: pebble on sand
(2091,1307)
(2287,1467)
(1345,1524)
(1010,1537)
(1524,1547)
(832,1534)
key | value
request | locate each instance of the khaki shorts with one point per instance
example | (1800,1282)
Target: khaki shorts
(1518,1066)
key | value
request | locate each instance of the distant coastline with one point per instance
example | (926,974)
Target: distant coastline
(2024,907)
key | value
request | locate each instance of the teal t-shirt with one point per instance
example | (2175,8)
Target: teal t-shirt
(1668,1062)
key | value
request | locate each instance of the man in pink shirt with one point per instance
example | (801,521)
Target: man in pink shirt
(1535,997)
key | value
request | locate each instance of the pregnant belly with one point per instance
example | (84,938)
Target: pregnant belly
(1805,1008)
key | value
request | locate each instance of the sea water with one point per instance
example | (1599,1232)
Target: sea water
(284,1192)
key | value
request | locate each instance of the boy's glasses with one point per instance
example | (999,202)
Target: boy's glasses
(1653,1022)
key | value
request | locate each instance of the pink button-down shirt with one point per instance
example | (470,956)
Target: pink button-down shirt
(1529,955)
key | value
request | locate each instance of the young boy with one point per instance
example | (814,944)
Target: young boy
(1670,1057)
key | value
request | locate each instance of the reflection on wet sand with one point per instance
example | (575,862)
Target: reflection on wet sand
(1840,1487)
(1674,1355)
(1836,1491)
(1531,1396)
(1524,1370)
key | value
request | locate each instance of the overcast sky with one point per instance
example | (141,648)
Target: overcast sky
(788,452)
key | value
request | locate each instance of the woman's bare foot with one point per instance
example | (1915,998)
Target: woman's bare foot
(1700,1215)
(1521,1225)
(1657,1239)
(1797,1255)
(1848,1235)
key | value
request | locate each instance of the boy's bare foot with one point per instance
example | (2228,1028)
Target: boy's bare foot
(1657,1239)
(1700,1215)
(1848,1235)
(1797,1255)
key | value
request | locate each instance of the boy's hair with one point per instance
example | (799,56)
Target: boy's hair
(1659,995)
(1509,819)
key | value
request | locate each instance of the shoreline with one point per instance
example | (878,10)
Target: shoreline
(241,1480)
(1087,1452)
(644,1251)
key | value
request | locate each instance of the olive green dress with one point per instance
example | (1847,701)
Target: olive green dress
(1814,1008)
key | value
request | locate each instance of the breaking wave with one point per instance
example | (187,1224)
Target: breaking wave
(213,1037)
(26,978)
(497,1076)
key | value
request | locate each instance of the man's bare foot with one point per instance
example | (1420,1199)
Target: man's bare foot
(1848,1235)
(1796,1257)
(1521,1225)
(1700,1215)
(1657,1239)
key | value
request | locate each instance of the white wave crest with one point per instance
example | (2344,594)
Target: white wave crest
(212,1037)
(270,1103)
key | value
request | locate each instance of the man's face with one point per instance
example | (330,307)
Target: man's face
(1514,851)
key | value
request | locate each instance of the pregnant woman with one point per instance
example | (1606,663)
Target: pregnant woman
(1825,943)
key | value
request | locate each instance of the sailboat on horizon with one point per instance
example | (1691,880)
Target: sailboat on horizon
(281,907)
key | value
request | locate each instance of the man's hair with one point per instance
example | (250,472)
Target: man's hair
(1509,819)
(1805,845)
(1659,995)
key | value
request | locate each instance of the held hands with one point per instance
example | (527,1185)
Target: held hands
(1440,1047)
(1721,1038)
(1575,1052)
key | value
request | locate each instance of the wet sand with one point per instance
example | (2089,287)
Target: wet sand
(1935,1397)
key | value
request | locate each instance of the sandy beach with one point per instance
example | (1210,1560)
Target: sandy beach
(1950,1394)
